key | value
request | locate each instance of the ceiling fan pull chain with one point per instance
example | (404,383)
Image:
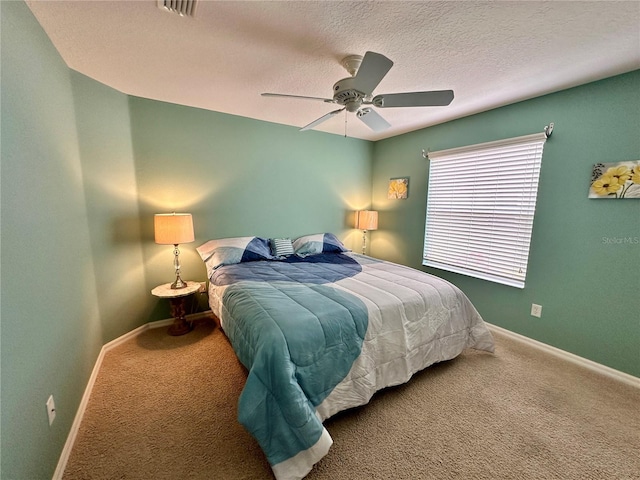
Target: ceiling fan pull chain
(345,124)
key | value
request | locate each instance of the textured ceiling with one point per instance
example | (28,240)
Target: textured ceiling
(490,53)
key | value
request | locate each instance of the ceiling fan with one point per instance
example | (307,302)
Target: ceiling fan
(355,93)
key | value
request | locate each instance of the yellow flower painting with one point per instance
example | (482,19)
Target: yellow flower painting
(398,188)
(615,180)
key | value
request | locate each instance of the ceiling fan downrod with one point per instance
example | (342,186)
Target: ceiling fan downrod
(352,64)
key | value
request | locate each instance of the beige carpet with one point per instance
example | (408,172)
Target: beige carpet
(165,408)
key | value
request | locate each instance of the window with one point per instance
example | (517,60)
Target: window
(480,207)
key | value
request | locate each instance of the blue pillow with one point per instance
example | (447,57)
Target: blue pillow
(318,243)
(229,251)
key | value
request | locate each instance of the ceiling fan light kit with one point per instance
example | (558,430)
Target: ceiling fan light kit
(357,91)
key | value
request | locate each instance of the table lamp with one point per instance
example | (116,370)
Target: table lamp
(174,229)
(366,220)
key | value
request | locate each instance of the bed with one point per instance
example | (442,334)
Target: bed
(320,329)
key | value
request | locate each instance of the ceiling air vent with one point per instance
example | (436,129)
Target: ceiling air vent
(185,8)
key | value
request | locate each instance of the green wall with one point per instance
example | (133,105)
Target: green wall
(240,177)
(49,308)
(109,177)
(580,269)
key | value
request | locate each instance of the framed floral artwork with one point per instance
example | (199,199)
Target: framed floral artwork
(398,188)
(615,180)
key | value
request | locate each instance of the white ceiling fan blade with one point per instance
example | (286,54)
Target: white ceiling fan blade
(372,70)
(437,98)
(372,119)
(328,100)
(321,119)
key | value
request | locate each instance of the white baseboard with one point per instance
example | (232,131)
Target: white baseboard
(71,437)
(591,365)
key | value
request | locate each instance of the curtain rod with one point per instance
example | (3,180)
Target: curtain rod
(548,130)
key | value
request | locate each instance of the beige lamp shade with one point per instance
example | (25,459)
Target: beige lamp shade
(367,220)
(173,228)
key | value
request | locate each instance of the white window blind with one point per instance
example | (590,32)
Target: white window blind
(480,207)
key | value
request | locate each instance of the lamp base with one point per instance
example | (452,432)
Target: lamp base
(176,265)
(364,242)
(178,284)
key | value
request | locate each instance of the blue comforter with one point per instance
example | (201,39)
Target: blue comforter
(297,336)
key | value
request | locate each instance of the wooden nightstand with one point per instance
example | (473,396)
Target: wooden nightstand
(177,299)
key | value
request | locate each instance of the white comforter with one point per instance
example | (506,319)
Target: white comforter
(415,320)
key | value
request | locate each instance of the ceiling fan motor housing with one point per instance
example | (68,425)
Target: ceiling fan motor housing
(345,94)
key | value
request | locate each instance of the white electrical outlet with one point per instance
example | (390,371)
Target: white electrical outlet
(51,409)
(536,310)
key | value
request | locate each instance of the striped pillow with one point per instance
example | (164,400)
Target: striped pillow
(281,247)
